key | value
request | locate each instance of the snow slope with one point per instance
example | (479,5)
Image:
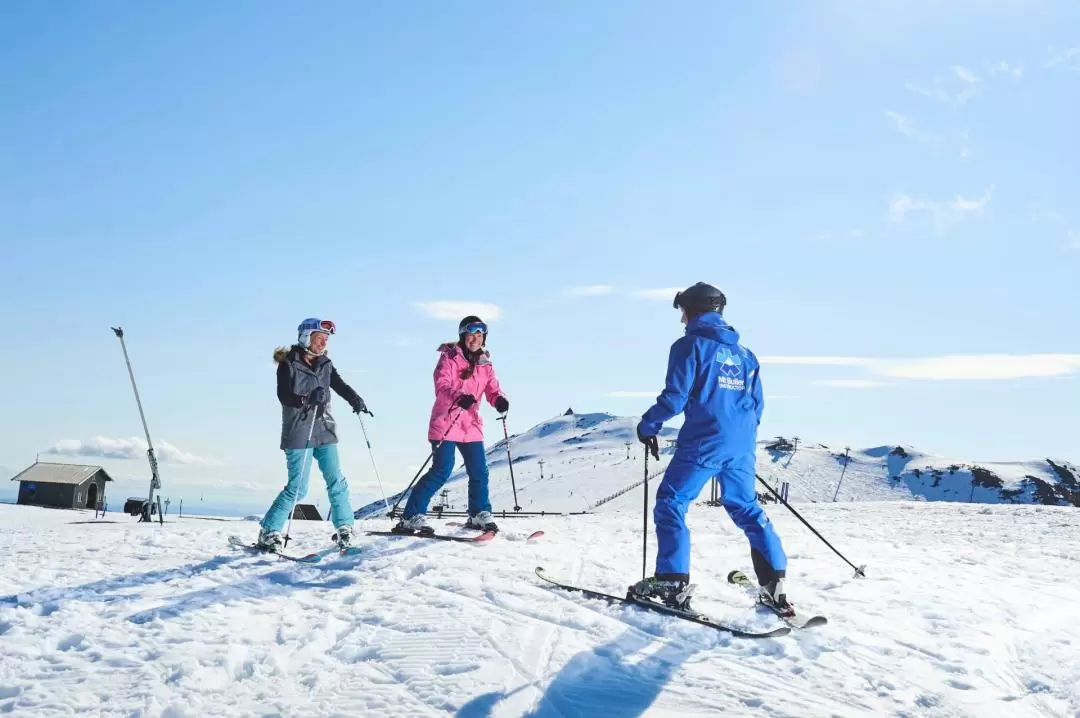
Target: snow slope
(817,472)
(586,463)
(966,610)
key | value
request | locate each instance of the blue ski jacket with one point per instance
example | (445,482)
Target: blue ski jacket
(716,382)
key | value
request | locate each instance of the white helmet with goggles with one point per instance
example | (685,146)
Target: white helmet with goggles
(311,325)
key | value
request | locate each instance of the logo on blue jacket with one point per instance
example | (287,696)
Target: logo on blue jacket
(730,370)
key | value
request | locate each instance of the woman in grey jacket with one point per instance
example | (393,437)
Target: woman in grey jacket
(305,376)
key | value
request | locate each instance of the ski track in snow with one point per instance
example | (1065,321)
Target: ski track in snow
(967,610)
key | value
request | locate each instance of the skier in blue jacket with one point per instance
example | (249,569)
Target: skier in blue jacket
(715,381)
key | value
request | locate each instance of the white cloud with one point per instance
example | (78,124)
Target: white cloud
(815,360)
(850,383)
(632,394)
(124,448)
(455,310)
(956,367)
(592,290)
(942,213)
(667,293)
(982,367)
(1004,68)
(1060,57)
(955,88)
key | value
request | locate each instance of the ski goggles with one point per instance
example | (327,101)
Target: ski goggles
(474,328)
(319,325)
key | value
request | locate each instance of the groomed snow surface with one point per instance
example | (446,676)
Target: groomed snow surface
(966,610)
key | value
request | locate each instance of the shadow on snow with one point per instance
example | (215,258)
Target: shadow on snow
(601,681)
(105,590)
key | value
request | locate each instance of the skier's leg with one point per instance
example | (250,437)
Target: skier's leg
(442,465)
(740,499)
(337,488)
(476,466)
(683,481)
(295,489)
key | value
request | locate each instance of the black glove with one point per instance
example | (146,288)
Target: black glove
(360,406)
(317,396)
(502,405)
(652,446)
(465,401)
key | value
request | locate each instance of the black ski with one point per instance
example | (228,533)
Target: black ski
(795,621)
(254,548)
(486,536)
(308,558)
(694,617)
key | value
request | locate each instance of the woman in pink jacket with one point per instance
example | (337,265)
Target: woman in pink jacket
(463,375)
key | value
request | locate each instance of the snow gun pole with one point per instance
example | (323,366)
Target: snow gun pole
(424,465)
(510,462)
(373,466)
(860,571)
(645,519)
(155,478)
(309,454)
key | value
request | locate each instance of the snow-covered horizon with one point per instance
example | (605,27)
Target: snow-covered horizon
(589,458)
(585,464)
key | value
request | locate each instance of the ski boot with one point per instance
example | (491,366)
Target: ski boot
(343,538)
(270,541)
(482,521)
(414,525)
(774,595)
(674,594)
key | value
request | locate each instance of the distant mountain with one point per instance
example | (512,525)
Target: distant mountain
(586,468)
(816,472)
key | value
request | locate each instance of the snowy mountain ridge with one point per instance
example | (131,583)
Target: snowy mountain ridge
(575,463)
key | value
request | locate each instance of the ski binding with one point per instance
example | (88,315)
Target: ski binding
(795,620)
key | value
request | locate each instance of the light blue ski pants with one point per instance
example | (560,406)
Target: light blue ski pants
(337,488)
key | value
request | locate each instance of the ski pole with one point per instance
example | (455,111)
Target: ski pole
(308,451)
(373,466)
(645,519)
(510,462)
(860,571)
(424,465)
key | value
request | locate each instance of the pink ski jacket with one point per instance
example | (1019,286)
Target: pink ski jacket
(467,425)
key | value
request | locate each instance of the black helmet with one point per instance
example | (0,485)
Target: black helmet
(700,298)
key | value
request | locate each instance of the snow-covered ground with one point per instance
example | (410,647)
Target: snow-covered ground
(966,610)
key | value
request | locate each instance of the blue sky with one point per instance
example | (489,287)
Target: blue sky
(887,192)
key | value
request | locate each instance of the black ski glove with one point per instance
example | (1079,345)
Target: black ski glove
(360,406)
(502,405)
(652,446)
(317,396)
(465,401)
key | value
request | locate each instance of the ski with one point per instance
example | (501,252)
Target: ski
(694,617)
(307,558)
(486,536)
(239,542)
(531,537)
(796,621)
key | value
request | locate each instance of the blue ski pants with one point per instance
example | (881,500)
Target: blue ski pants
(337,488)
(683,481)
(442,465)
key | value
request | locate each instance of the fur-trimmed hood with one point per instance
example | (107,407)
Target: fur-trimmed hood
(452,349)
(283,353)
